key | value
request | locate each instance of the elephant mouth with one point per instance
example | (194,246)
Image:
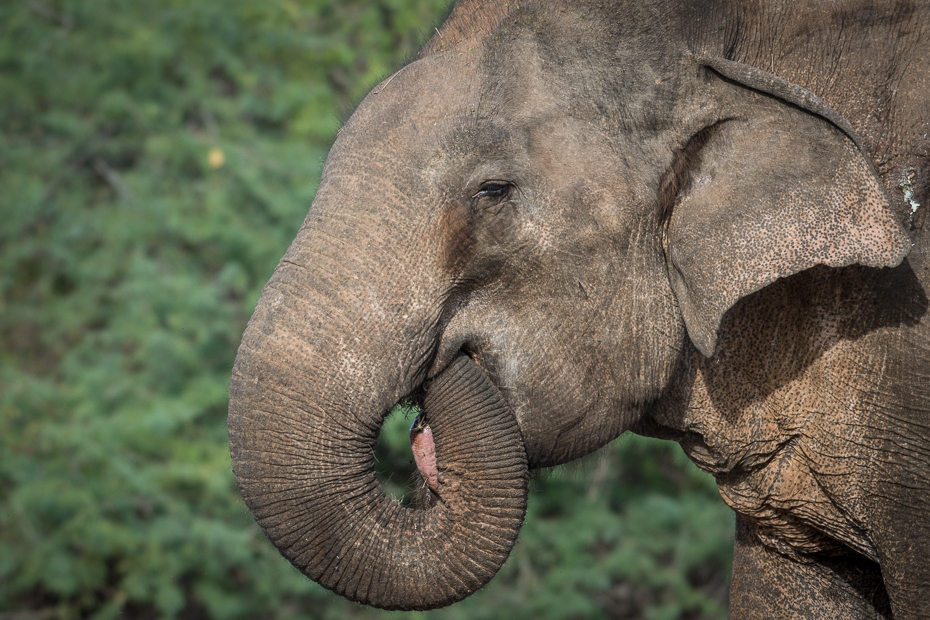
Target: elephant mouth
(426,484)
(423,447)
(422,442)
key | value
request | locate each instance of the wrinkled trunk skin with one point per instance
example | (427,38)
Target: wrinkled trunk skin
(313,489)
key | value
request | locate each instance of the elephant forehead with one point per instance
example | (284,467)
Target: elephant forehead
(463,97)
(414,104)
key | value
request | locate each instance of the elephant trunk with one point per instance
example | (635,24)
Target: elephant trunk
(305,462)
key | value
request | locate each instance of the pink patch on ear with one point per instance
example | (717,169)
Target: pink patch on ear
(424,453)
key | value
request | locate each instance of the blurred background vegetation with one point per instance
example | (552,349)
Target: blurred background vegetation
(156,159)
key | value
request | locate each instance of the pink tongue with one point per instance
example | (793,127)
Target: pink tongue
(424,453)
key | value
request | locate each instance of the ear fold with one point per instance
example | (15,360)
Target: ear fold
(780,186)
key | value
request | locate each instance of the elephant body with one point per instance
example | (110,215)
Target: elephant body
(695,220)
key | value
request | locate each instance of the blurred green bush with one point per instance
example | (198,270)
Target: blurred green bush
(156,159)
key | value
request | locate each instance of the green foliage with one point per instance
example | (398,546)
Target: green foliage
(156,159)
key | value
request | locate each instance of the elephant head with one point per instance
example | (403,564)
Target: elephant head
(527,227)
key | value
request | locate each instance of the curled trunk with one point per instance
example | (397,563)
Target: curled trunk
(309,480)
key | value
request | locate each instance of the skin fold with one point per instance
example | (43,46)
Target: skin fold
(693,220)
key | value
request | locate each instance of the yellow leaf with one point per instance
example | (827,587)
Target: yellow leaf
(216,158)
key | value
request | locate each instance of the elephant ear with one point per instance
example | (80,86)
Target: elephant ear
(780,185)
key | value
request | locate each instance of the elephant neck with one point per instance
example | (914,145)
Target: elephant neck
(796,388)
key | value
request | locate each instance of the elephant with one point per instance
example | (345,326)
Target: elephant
(697,220)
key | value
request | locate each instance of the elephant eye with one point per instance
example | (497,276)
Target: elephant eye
(492,192)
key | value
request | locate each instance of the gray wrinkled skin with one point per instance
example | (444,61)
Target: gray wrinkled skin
(690,220)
